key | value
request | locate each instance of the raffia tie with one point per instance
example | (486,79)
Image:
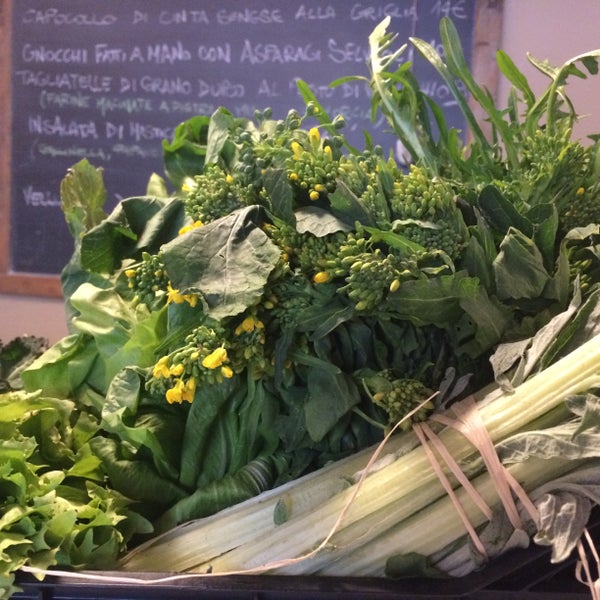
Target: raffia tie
(469,423)
(583,571)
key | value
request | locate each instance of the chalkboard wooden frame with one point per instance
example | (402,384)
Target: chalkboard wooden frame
(486,40)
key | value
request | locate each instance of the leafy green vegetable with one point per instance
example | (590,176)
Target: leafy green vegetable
(53,507)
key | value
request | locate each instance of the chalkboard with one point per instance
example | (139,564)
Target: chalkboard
(110,80)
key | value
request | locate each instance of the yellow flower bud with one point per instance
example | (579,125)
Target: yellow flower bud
(315,137)
(297,149)
(395,285)
(314,195)
(321,277)
(227,372)
(130,273)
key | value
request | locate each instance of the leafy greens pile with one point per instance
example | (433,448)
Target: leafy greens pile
(296,297)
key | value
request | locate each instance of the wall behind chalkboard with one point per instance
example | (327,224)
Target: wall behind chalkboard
(110,80)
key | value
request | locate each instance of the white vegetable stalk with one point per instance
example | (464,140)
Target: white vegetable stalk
(403,488)
(196,542)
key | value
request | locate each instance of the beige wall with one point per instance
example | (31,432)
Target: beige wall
(549,29)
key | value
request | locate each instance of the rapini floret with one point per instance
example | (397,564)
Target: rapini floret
(147,279)
(212,196)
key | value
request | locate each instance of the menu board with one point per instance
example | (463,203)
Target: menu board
(109,81)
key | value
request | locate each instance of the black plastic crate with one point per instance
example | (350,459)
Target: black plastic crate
(518,575)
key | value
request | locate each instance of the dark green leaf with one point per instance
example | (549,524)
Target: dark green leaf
(218,144)
(318,221)
(184,156)
(346,205)
(200,420)
(330,396)
(280,193)
(500,213)
(519,268)
(435,301)
(545,220)
(227,262)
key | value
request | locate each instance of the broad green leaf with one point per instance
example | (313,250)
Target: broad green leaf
(227,262)
(203,413)
(184,156)
(156,187)
(62,368)
(249,481)
(135,225)
(500,213)
(158,428)
(318,221)
(435,301)
(82,195)
(279,190)
(348,207)
(330,397)
(519,268)
(490,320)
(218,144)
(135,478)
(545,220)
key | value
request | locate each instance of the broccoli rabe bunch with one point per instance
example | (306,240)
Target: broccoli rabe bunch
(424,210)
(312,168)
(399,397)
(212,195)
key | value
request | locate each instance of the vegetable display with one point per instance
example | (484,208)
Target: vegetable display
(239,346)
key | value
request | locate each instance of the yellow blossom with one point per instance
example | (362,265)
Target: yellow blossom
(190,390)
(314,195)
(294,176)
(297,149)
(161,368)
(322,277)
(190,226)
(177,370)
(229,178)
(177,298)
(188,184)
(215,359)
(248,325)
(181,391)
(130,273)
(227,372)
(580,191)
(315,137)
(174,395)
